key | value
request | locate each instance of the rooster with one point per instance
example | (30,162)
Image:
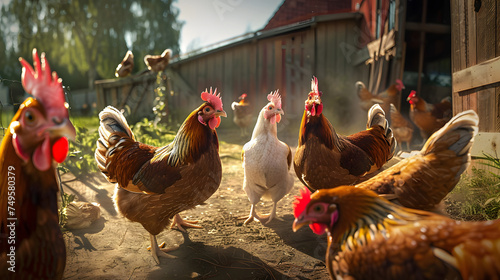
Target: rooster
(158,63)
(401,128)
(390,95)
(31,242)
(324,158)
(428,117)
(267,160)
(423,180)
(125,67)
(242,114)
(371,238)
(155,184)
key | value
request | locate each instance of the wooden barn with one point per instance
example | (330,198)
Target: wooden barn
(476,68)
(340,42)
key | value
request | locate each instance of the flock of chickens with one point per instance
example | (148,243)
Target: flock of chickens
(376,219)
(427,117)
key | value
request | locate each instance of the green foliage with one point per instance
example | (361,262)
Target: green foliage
(85,39)
(492,204)
(477,196)
(81,160)
(66,199)
(90,122)
(146,133)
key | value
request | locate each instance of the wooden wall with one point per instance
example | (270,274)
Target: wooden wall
(285,59)
(476,61)
(286,62)
(476,68)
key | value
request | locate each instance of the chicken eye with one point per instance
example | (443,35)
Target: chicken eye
(29,117)
(270,107)
(207,109)
(318,208)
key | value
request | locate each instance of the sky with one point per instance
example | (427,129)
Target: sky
(211,21)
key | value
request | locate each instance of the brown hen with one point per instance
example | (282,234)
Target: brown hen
(371,238)
(243,115)
(155,184)
(428,117)
(31,242)
(388,96)
(401,128)
(325,159)
(423,180)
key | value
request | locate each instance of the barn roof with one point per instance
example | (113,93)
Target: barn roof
(293,11)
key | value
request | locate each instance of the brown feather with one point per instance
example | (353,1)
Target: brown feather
(375,239)
(40,252)
(155,184)
(324,158)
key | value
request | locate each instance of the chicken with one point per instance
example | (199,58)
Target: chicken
(323,156)
(428,117)
(125,67)
(390,95)
(153,185)
(266,161)
(401,128)
(423,180)
(371,238)
(31,242)
(242,114)
(158,63)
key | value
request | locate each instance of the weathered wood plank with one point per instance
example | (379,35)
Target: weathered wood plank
(455,36)
(482,74)
(471,50)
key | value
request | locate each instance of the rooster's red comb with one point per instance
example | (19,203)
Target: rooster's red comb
(275,98)
(299,205)
(412,94)
(314,87)
(212,98)
(243,96)
(43,84)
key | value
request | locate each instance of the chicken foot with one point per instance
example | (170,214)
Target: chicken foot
(266,218)
(179,223)
(250,218)
(156,251)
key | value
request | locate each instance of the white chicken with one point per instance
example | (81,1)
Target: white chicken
(266,161)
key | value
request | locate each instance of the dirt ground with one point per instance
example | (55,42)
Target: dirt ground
(115,248)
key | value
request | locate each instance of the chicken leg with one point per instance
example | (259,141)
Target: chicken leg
(156,251)
(265,219)
(179,223)
(253,215)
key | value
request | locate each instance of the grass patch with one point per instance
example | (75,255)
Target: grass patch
(475,197)
(90,122)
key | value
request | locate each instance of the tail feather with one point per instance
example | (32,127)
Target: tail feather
(112,121)
(376,116)
(456,135)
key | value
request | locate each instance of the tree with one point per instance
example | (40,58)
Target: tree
(89,37)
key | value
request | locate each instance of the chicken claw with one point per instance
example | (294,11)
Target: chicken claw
(251,217)
(159,251)
(265,219)
(179,223)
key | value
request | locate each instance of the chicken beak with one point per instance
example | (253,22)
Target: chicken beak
(298,223)
(220,113)
(280,111)
(64,129)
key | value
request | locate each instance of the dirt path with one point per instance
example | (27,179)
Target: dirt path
(115,248)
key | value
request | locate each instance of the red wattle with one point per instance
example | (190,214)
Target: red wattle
(317,228)
(60,149)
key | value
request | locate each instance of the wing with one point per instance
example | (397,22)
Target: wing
(158,173)
(289,157)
